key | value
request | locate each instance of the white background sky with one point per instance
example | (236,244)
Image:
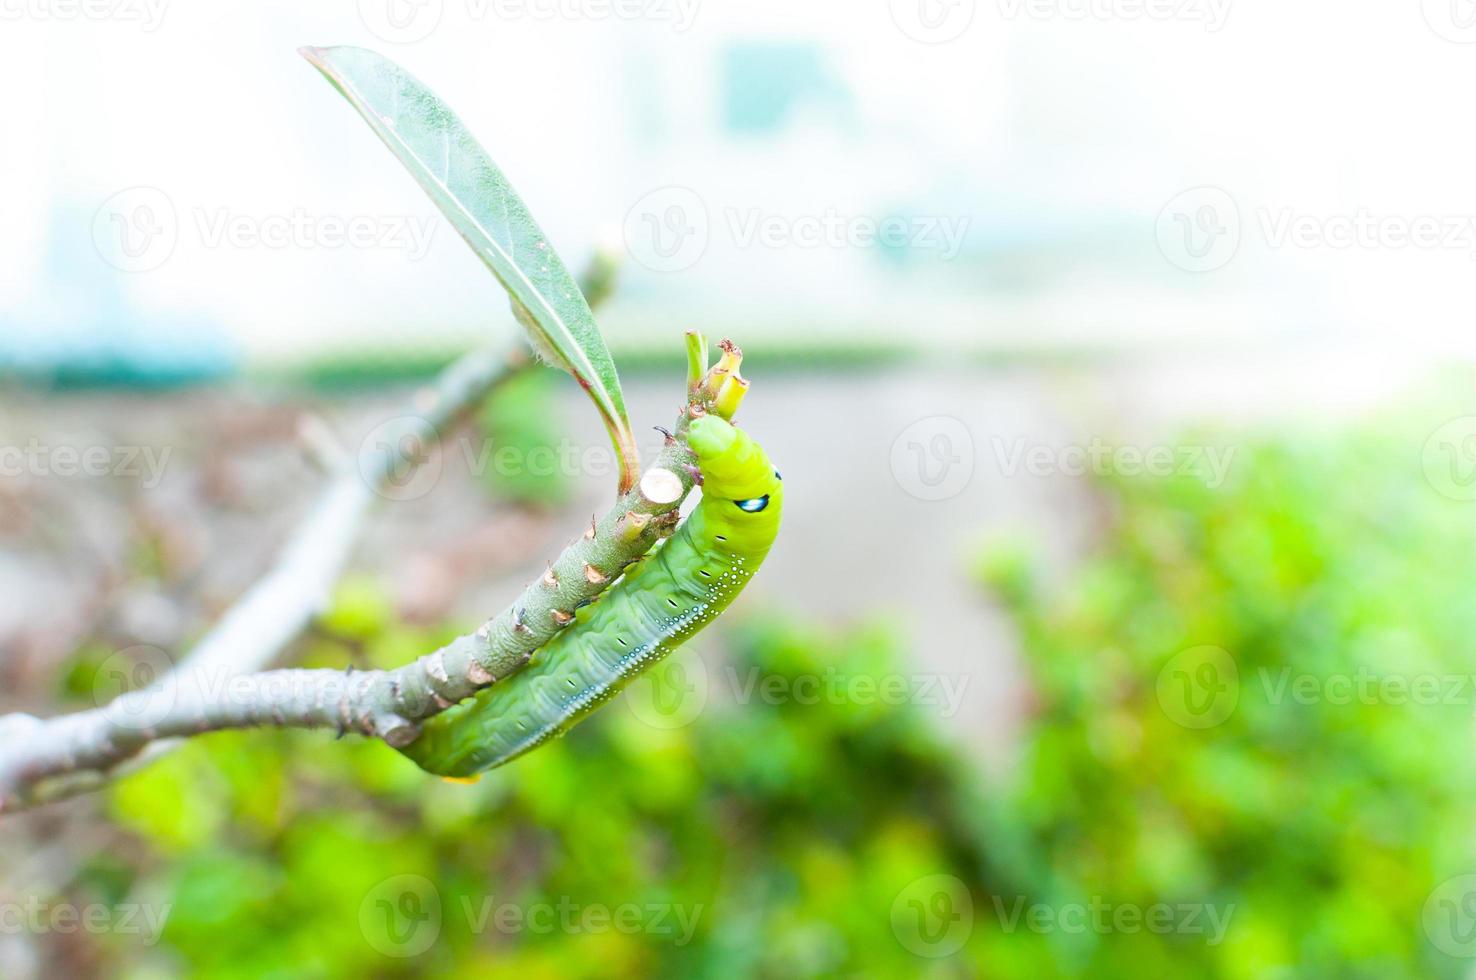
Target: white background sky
(1054,134)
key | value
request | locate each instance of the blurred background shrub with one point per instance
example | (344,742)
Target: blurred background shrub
(1194,793)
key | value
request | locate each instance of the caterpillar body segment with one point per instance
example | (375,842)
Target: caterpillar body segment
(671,594)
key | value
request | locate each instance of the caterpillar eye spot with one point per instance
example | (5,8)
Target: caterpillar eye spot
(753,505)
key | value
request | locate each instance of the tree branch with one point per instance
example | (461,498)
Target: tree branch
(47,760)
(42,761)
(84,749)
(216,687)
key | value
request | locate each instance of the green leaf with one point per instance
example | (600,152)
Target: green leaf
(460,177)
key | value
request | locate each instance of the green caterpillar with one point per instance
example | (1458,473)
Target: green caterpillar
(677,589)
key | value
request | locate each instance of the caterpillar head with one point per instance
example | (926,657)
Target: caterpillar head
(733,466)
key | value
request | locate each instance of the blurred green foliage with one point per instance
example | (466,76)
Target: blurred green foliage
(522,435)
(1193,796)
(770,838)
(1257,698)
